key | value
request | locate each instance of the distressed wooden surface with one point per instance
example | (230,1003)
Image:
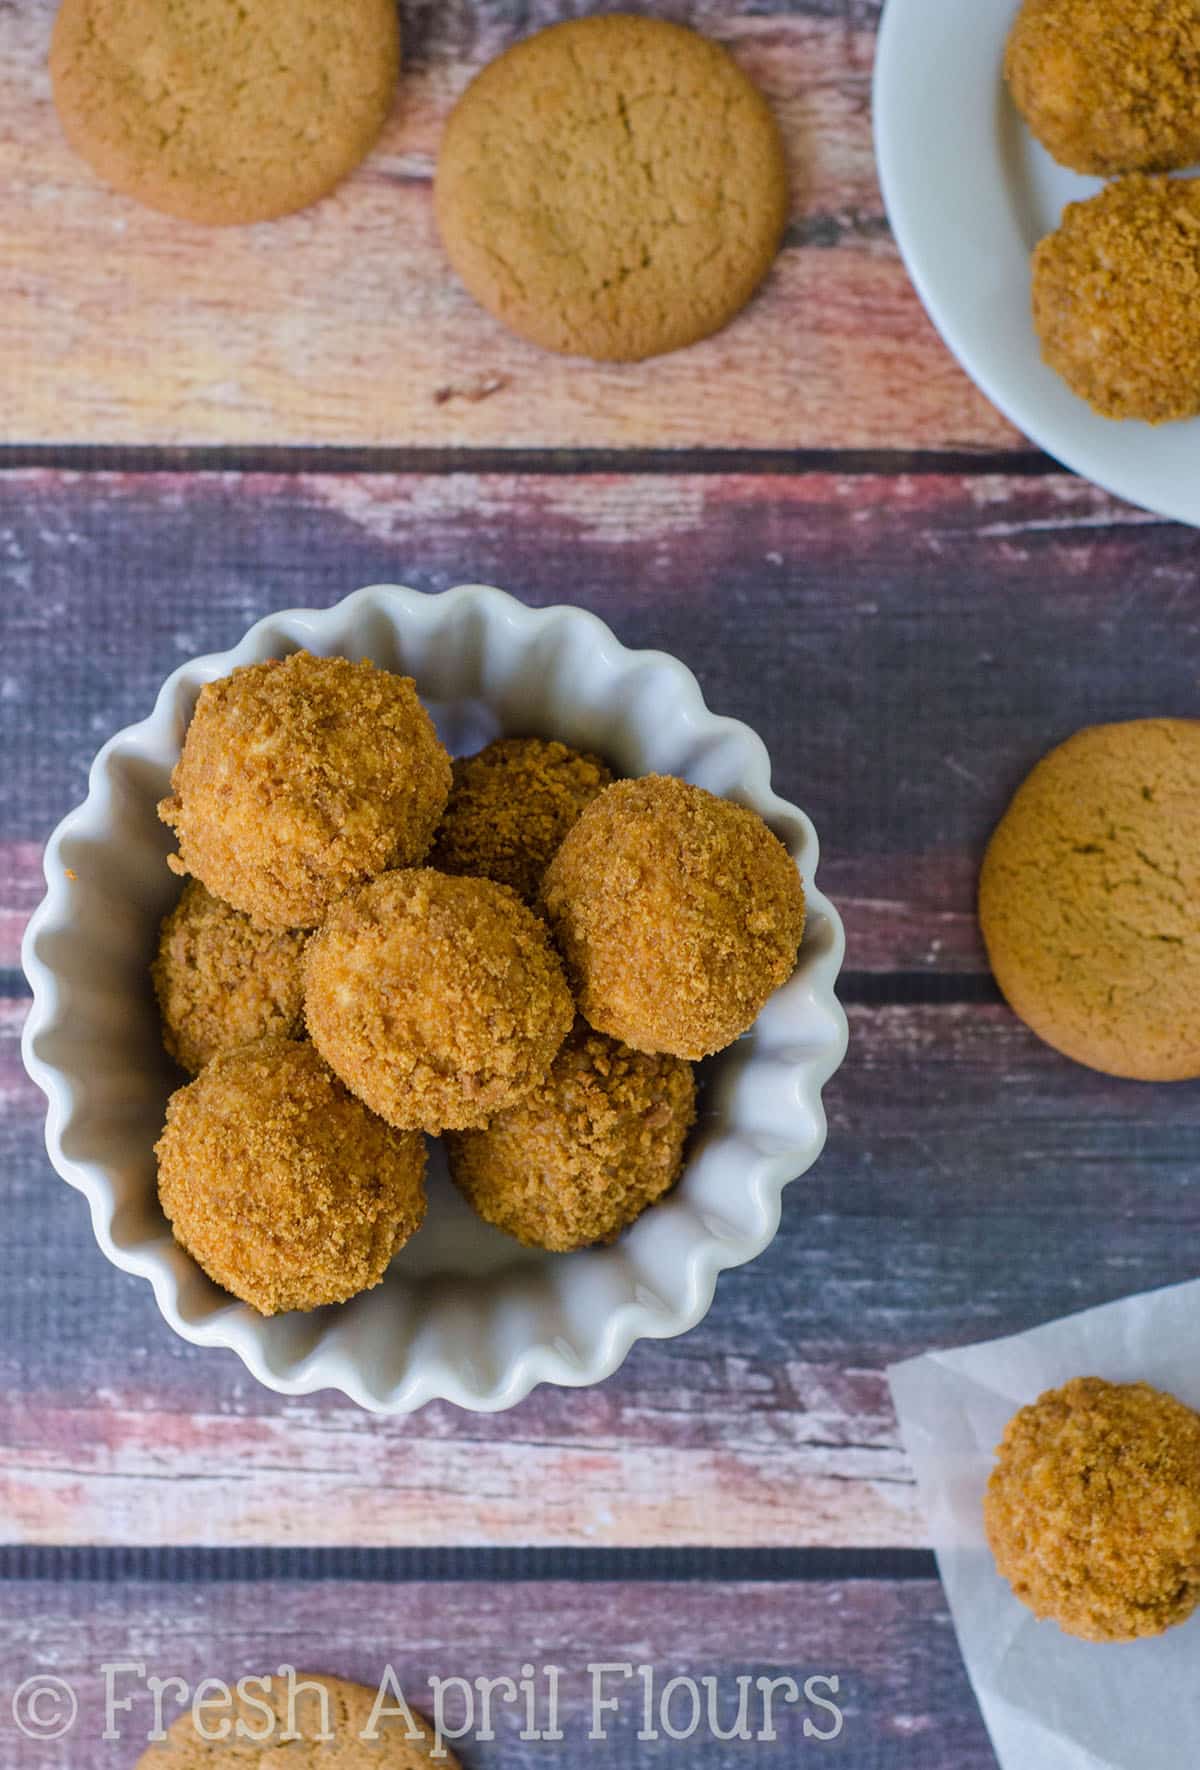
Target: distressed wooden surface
(904,1696)
(345,325)
(973,1185)
(907,642)
(907,645)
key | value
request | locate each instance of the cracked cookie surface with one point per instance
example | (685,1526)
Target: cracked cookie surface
(305,1722)
(1089,899)
(219,112)
(612,187)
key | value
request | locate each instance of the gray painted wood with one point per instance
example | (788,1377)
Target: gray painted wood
(904,1695)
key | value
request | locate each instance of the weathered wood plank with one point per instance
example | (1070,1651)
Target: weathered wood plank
(903,1693)
(345,324)
(907,646)
(770,1423)
(974,1183)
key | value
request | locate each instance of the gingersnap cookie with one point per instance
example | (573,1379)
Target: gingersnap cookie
(612,187)
(1089,899)
(302,1721)
(1093,1509)
(219,112)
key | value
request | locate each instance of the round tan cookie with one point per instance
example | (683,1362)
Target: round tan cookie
(221,112)
(1093,1509)
(267,1714)
(1089,899)
(612,187)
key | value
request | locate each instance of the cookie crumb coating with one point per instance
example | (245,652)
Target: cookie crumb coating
(219,112)
(1116,299)
(612,187)
(1089,899)
(1093,1509)
(1109,88)
(222,981)
(282,1185)
(510,806)
(289,1722)
(677,913)
(438,1000)
(586,1152)
(302,778)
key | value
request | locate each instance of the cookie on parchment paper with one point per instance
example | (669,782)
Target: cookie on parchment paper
(346,1713)
(612,187)
(1089,899)
(219,112)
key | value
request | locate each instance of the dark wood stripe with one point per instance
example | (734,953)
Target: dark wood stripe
(860,989)
(103,458)
(206,1566)
(916,989)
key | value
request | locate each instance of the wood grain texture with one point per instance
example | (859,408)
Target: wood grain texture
(345,325)
(974,1184)
(907,645)
(905,1698)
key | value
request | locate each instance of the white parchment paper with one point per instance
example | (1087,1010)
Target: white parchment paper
(1051,1702)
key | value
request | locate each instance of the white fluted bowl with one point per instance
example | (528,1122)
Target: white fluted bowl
(464,1312)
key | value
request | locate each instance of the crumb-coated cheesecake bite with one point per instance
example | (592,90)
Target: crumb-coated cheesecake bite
(1093,1509)
(677,914)
(301,778)
(586,1151)
(438,1000)
(510,806)
(281,1184)
(1111,87)
(223,981)
(1116,299)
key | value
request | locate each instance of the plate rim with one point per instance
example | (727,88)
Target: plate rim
(1043,432)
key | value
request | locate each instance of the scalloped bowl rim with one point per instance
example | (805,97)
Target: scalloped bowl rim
(233,1327)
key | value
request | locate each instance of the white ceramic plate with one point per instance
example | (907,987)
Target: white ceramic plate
(969,194)
(464,1313)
